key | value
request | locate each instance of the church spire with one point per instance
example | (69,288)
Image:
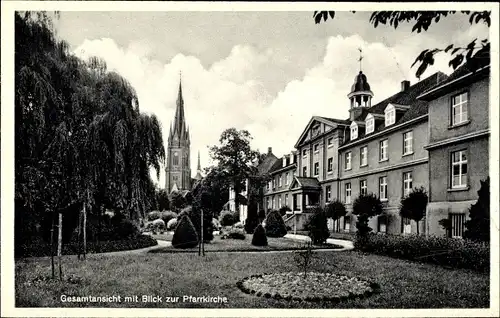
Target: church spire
(179,120)
(199,164)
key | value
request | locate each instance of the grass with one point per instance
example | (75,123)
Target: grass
(403,284)
(233,245)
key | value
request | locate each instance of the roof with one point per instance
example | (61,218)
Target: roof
(337,121)
(266,164)
(408,97)
(308,182)
(278,165)
(360,83)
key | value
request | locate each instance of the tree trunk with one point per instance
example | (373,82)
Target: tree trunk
(59,245)
(52,246)
(418,230)
(84,231)
(236,196)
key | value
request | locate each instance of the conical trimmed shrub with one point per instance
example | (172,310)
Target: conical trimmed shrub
(185,235)
(275,226)
(259,236)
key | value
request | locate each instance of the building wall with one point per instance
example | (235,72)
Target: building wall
(478,112)
(279,191)
(181,171)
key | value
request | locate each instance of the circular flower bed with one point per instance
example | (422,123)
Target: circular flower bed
(316,287)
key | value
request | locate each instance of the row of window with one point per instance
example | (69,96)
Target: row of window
(382,191)
(276,203)
(459,104)
(288,180)
(316,147)
(383,151)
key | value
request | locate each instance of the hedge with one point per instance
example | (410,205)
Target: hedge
(39,248)
(440,250)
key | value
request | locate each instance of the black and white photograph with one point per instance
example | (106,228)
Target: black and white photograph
(221,156)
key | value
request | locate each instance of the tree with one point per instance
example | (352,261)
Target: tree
(185,235)
(478,227)
(317,226)
(365,207)
(275,226)
(413,206)
(476,54)
(235,157)
(177,201)
(162,200)
(259,237)
(335,210)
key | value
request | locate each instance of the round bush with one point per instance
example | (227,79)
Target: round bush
(166,216)
(317,227)
(185,235)
(227,218)
(234,233)
(216,224)
(153,215)
(238,225)
(259,236)
(172,224)
(275,226)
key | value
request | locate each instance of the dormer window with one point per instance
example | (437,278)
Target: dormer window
(390,115)
(354,131)
(370,123)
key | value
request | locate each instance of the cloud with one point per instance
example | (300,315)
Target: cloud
(239,90)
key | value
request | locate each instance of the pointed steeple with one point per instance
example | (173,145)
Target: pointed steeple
(179,119)
(199,164)
(198,176)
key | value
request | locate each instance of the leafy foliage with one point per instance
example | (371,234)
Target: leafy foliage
(185,235)
(303,258)
(413,206)
(439,250)
(335,210)
(233,233)
(275,225)
(177,201)
(317,226)
(259,236)
(475,54)
(365,207)
(478,227)
(227,218)
(284,209)
(162,200)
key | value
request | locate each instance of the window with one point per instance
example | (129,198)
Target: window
(407,183)
(304,171)
(316,148)
(330,164)
(287,178)
(280,182)
(274,183)
(383,188)
(348,161)
(286,200)
(405,226)
(268,185)
(347,193)
(459,109)
(268,203)
(457,225)
(363,156)
(354,131)
(363,188)
(408,143)
(176,159)
(390,115)
(279,202)
(383,150)
(175,178)
(274,203)
(382,224)
(330,142)
(370,123)
(316,168)
(459,169)
(304,153)
(347,223)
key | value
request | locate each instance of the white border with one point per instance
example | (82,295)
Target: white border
(7,147)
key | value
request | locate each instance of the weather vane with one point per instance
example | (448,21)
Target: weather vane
(360,58)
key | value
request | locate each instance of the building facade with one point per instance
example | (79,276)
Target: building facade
(458,147)
(433,134)
(178,166)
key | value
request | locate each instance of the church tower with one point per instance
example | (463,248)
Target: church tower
(178,171)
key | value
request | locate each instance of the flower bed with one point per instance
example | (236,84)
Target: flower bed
(316,287)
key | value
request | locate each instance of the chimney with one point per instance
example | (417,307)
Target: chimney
(269,150)
(292,157)
(405,85)
(284,161)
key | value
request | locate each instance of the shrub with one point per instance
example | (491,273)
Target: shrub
(439,250)
(172,224)
(261,215)
(155,226)
(238,225)
(167,216)
(259,236)
(251,224)
(284,209)
(335,210)
(478,227)
(234,233)
(227,218)
(185,235)
(275,226)
(365,207)
(153,215)
(414,205)
(126,229)
(195,216)
(317,226)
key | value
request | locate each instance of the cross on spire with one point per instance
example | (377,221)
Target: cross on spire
(360,58)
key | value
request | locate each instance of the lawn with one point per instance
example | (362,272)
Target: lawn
(403,284)
(233,245)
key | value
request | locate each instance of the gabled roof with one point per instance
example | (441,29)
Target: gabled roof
(278,165)
(303,182)
(328,121)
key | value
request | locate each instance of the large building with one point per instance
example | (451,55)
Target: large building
(433,134)
(178,167)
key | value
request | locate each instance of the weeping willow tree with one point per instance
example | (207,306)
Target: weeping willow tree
(81,142)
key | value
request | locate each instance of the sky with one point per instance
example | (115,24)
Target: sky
(266,72)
